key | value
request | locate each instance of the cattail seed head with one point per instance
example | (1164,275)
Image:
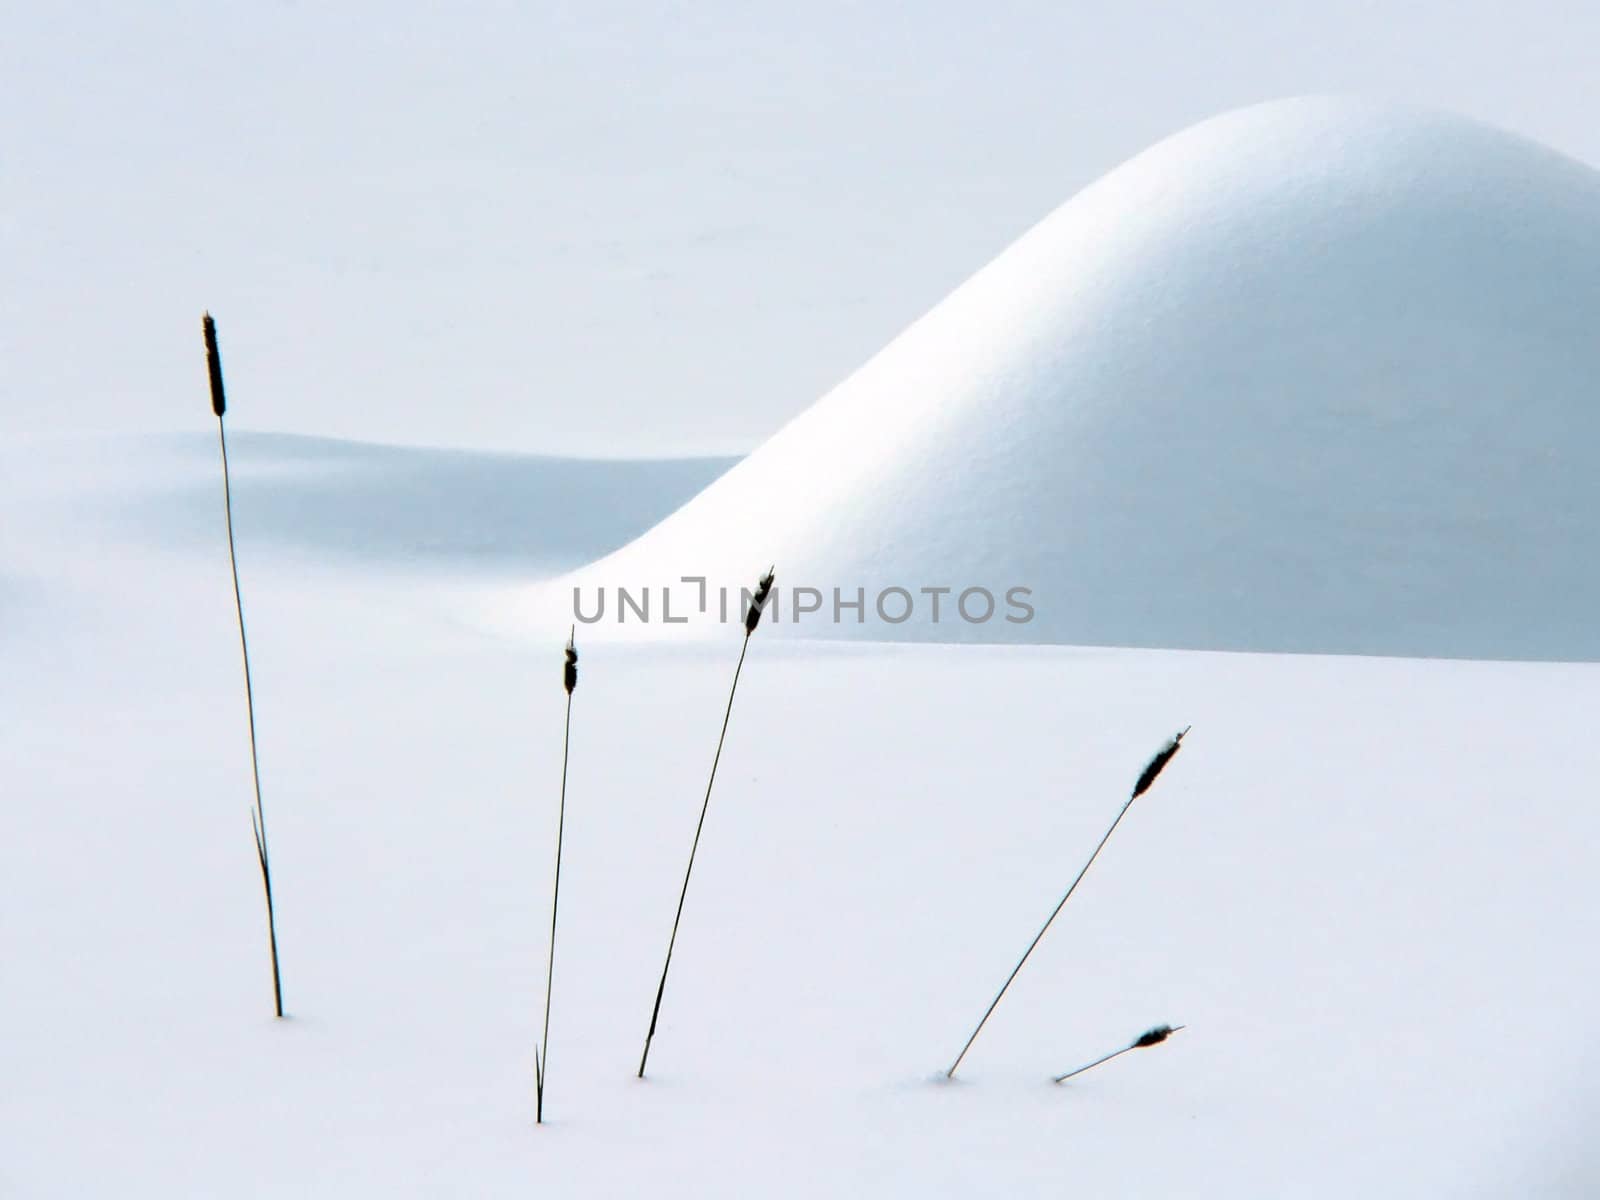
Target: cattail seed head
(1154,1037)
(569,671)
(1158,763)
(758,602)
(219,403)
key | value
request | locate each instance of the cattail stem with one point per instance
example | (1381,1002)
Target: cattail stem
(258,815)
(541,1060)
(1146,779)
(1153,1038)
(1104,1058)
(705,805)
(995,1003)
(752,618)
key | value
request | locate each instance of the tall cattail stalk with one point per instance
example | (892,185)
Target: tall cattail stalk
(1150,1037)
(1146,778)
(541,1057)
(258,815)
(752,618)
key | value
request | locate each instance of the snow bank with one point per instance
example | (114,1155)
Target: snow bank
(1311,376)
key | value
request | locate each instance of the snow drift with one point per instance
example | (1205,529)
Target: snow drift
(1311,376)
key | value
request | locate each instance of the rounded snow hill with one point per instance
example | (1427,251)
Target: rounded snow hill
(1318,375)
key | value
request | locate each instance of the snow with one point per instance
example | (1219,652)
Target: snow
(321,500)
(1365,885)
(1313,376)
(1307,377)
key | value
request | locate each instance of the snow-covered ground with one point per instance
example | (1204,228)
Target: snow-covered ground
(323,500)
(1366,885)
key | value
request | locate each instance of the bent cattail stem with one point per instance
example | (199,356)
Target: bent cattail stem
(541,1052)
(258,816)
(1150,1037)
(752,618)
(1146,778)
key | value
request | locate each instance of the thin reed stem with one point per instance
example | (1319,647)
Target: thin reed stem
(542,1060)
(993,1004)
(661,989)
(1105,1058)
(258,816)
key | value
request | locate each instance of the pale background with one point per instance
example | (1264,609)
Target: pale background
(615,229)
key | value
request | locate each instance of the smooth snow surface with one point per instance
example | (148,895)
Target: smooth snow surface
(1312,376)
(323,501)
(1366,886)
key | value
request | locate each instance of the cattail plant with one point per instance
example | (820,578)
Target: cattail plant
(1150,1037)
(258,816)
(541,1053)
(752,618)
(1147,777)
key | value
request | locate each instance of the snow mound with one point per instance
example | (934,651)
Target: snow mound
(1311,376)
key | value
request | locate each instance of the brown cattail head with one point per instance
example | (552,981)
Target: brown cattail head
(1154,1037)
(1158,763)
(758,602)
(569,672)
(219,403)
